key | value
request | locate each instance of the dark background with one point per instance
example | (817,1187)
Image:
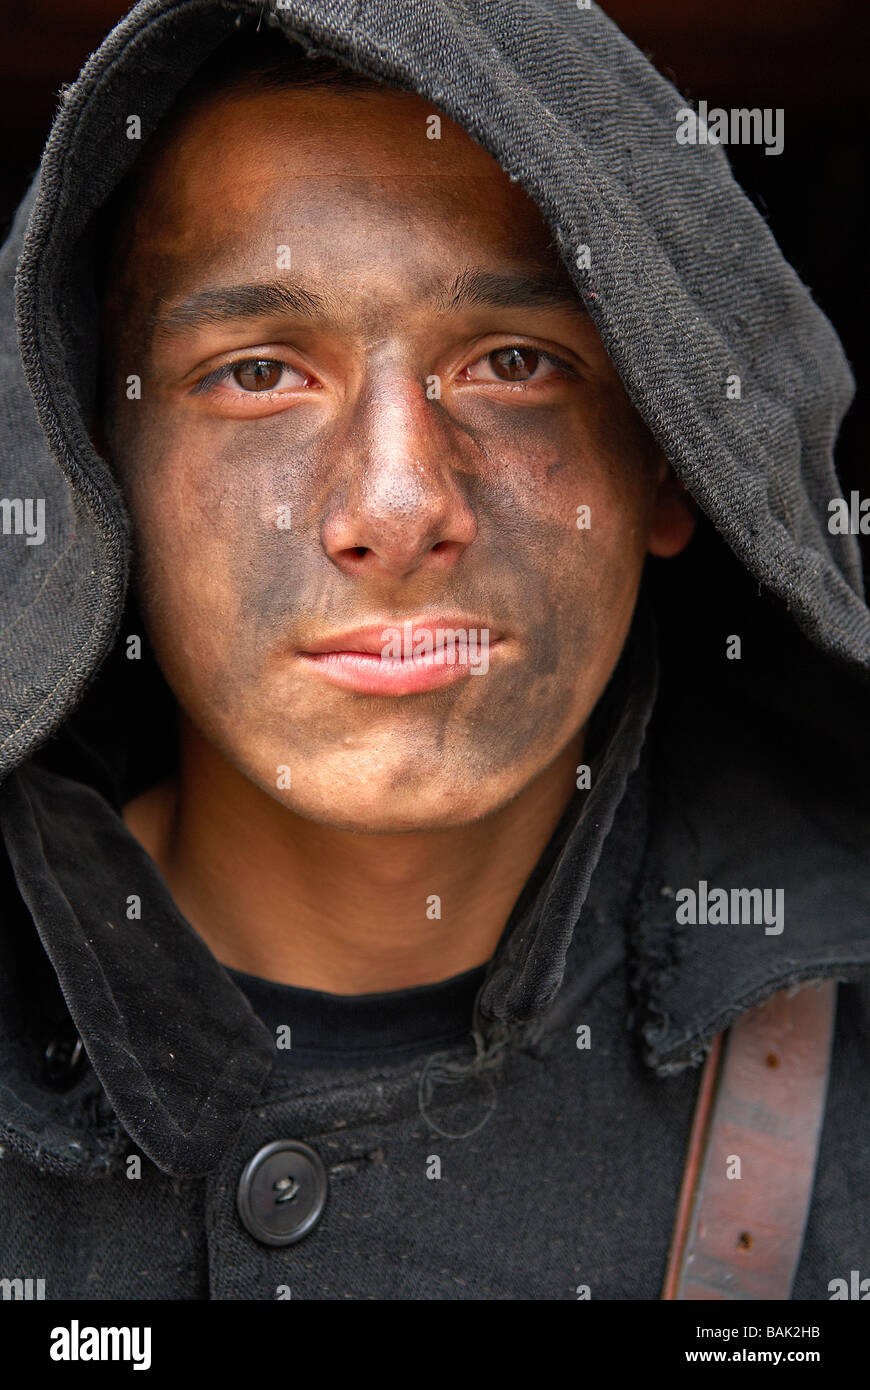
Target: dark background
(808,56)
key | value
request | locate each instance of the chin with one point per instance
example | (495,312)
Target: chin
(369,810)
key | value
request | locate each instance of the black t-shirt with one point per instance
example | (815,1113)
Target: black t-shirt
(342,1030)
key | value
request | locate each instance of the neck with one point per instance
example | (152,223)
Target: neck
(347,912)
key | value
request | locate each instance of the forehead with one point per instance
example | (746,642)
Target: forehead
(245,171)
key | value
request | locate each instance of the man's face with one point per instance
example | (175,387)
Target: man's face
(396,451)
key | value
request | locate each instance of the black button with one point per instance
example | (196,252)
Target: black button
(282,1192)
(64,1058)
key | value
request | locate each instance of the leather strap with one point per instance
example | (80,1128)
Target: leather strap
(759,1113)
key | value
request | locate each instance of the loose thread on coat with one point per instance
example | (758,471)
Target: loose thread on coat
(452,1073)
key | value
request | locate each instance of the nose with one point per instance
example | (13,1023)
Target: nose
(401,506)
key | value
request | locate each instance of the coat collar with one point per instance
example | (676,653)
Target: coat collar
(738,804)
(179,1052)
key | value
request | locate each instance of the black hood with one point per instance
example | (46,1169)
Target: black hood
(760,764)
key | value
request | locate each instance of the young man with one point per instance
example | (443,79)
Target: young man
(398,365)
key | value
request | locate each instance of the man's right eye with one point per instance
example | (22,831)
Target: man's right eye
(254,375)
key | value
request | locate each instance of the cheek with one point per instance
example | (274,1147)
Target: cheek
(199,516)
(566,496)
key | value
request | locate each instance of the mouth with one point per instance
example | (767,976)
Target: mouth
(404,656)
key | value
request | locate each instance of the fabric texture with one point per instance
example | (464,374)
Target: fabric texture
(560,1164)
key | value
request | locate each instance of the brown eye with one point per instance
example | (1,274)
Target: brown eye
(514,363)
(258,375)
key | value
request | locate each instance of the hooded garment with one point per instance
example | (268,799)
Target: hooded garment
(560,1151)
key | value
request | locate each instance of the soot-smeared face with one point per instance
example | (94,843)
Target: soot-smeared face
(370,399)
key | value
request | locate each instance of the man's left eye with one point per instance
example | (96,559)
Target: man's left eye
(516,363)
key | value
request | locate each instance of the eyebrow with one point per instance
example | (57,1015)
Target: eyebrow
(504,290)
(475,286)
(233,303)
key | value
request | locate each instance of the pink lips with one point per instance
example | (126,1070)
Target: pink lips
(356,660)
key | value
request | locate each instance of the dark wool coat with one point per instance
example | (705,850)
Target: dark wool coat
(123,1038)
